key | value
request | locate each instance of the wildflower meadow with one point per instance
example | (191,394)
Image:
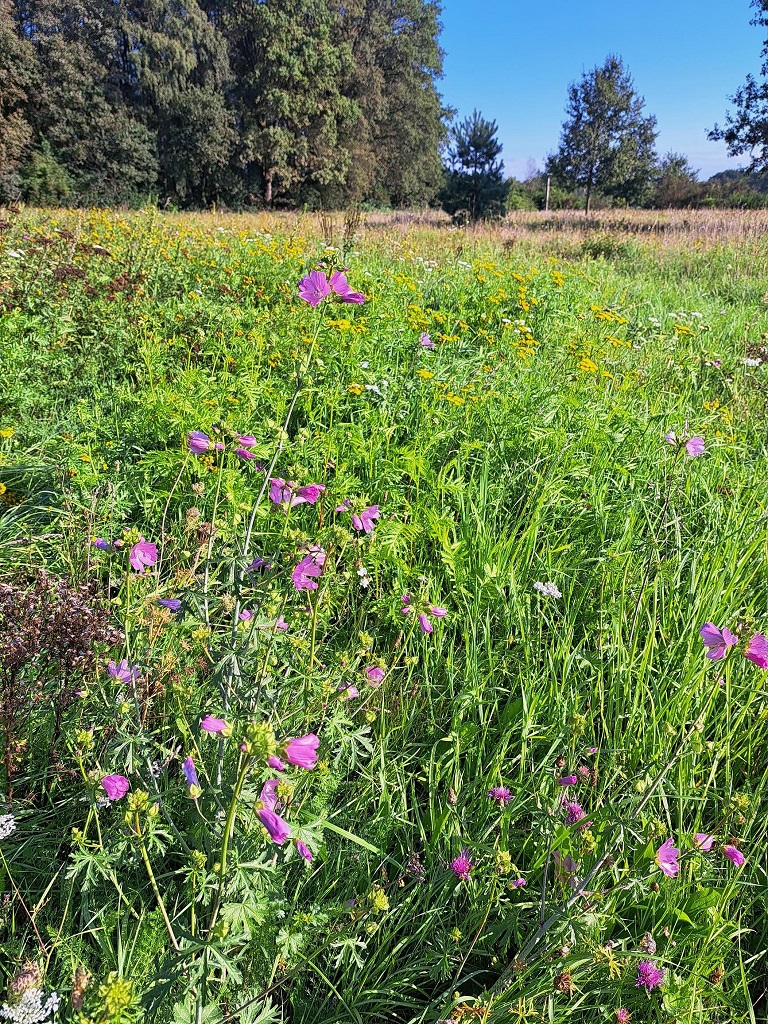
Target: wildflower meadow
(383,623)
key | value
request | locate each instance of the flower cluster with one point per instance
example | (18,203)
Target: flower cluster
(316,286)
(33,1008)
(718,642)
(425,613)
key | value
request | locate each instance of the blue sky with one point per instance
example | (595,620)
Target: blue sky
(514,59)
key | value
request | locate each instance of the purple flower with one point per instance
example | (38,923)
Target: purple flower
(268,795)
(190,774)
(425,341)
(349,692)
(734,854)
(568,780)
(259,565)
(173,603)
(365,521)
(436,611)
(757,650)
(115,786)
(198,442)
(245,615)
(375,675)
(304,850)
(717,641)
(314,287)
(426,625)
(143,555)
(517,883)
(500,794)
(648,975)
(309,569)
(123,672)
(703,841)
(247,440)
(279,830)
(243,453)
(302,752)
(309,493)
(622,1015)
(671,437)
(573,812)
(276,763)
(666,858)
(218,725)
(462,865)
(101,544)
(695,446)
(342,288)
(281,625)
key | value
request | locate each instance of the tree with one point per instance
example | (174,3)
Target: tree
(746,130)
(474,177)
(677,183)
(607,144)
(17,72)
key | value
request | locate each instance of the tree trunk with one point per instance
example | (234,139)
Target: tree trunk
(268,186)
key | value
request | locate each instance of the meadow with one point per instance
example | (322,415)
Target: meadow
(382,618)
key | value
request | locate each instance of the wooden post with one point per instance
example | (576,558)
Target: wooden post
(546,201)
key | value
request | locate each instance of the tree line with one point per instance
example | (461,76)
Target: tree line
(220,101)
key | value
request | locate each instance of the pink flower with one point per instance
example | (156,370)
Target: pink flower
(757,650)
(276,763)
(671,437)
(365,521)
(573,812)
(517,883)
(695,446)
(281,625)
(198,442)
(279,490)
(425,341)
(279,829)
(314,287)
(666,858)
(426,625)
(342,288)
(717,641)
(500,794)
(310,493)
(436,611)
(308,571)
(243,453)
(268,795)
(247,440)
(350,692)
(123,672)
(622,1015)
(462,865)
(375,675)
(143,555)
(734,854)
(703,841)
(568,780)
(218,725)
(304,850)
(303,751)
(648,975)
(245,615)
(115,786)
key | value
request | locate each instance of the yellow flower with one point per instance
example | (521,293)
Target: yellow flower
(424,374)
(682,330)
(587,365)
(6,432)
(3,488)
(355,389)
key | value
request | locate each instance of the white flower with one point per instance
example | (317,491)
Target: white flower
(7,825)
(547,589)
(364,579)
(31,1009)
(752,362)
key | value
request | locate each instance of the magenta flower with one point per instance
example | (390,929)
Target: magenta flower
(462,865)
(123,672)
(243,453)
(342,288)
(279,490)
(279,829)
(349,692)
(695,446)
(757,650)
(245,615)
(717,641)
(424,622)
(666,858)
(365,521)
(268,795)
(425,341)
(517,883)
(568,780)
(308,571)
(703,841)
(190,774)
(310,493)
(648,975)
(247,440)
(198,442)
(143,555)
(304,850)
(436,611)
(302,752)
(101,544)
(281,625)
(734,854)
(259,564)
(217,725)
(115,786)
(500,794)
(276,763)
(622,1015)
(573,812)
(314,288)
(375,674)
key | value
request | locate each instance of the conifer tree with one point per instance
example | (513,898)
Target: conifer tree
(475,180)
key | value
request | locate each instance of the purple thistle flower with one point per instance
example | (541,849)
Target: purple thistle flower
(649,976)
(666,858)
(115,786)
(462,865)
(304,850)
(365,521)
(302,752)
(622,1015)
(143,555)
(500,794)
(717,641)
(314,288)
(198,442)
(695,446)
(123,672)
(734,854)
(279,829)
(757,650)
(573,812)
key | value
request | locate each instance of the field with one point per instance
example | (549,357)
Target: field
(351,652)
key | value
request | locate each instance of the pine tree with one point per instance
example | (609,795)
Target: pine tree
(475,180)
(607,144)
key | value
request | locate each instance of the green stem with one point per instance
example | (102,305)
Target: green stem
(228,829)
(153,883)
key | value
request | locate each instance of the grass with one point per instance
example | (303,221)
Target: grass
(527,446)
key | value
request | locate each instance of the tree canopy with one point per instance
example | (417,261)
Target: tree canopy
(474,176)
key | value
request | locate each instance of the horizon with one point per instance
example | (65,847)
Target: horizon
(525,74)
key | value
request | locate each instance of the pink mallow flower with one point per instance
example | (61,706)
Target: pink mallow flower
(425,341)
(143,555)
(304,850)
(365,521)
(314,287)
(717,641)
(343,289)
(247,440)
(217,725)
(462,865)
(279,829)
(666,858)
(276,763)
(308,571)
(703,841)
(375,675)
(734,854)
(757,650)
(123,672)
(115,786)
(649,976)
(695,446)
(302,752)
(198,442)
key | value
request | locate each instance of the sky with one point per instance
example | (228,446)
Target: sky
(514,59)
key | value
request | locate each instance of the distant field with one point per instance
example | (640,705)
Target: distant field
(465,529)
